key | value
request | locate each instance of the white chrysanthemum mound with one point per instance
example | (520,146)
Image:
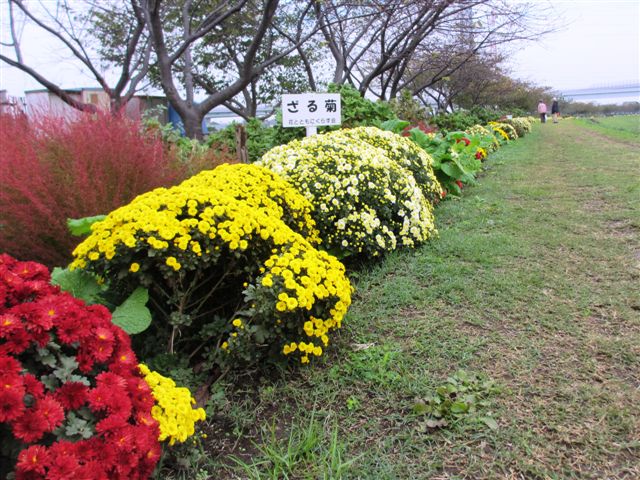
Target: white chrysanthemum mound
(365,201)
(406,153)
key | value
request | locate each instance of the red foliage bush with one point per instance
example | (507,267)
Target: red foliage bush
(53,169)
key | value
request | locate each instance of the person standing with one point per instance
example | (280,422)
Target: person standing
(555,110)
(542,110)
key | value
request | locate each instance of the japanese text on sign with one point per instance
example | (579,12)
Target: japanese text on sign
(311,109)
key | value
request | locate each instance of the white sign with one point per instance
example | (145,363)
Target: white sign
(311,110)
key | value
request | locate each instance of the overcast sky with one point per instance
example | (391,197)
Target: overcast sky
(598,44)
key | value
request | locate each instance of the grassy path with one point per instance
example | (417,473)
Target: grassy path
(534,283)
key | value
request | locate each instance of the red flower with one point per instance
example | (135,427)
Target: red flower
(9,367)
(91,470)
(34,386)
(72,395)
(33,313)
(33,271)
(50,410)
(479,155)
(9,323)
(32,459)
(98,399)
(110,380)
(29,427)
(111,423)
(463,139)
(62,467)
(459,183)
(11,397)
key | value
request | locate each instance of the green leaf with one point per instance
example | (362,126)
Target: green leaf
(420,408)
(395,126)
(459,407)
(421,138)
(133,316)
(489,422)
(77,426)
(80,227)
(452,170)
(65,368)
(78,283)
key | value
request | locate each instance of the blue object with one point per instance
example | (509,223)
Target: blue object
(176,121)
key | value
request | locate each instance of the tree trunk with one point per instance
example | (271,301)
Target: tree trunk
(192,121)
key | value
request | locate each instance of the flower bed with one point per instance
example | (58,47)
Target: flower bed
(73,403)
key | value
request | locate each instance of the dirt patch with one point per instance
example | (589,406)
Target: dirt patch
(623,228)
(601,137)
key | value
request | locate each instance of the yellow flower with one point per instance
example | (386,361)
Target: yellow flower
(172,410)
(237,323)
(134,267)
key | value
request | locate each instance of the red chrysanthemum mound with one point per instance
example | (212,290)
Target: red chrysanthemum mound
(72,401)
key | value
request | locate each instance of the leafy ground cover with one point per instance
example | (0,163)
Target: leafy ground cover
(507,348)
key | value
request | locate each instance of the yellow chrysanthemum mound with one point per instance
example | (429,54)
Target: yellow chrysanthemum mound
(261,188)
(489,140)
(173,409)
(521,125)
(201,249)
(404,152)
(503,128)
(365,202)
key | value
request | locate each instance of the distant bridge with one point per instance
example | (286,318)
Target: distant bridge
(613,92)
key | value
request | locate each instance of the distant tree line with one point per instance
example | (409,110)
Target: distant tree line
(583,108)
(242,53)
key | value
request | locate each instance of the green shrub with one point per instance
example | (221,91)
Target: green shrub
(408,108)
(365,202)
(457,121)
(229,260)
(457,157)
(488,140)
(356,111)
(260,138)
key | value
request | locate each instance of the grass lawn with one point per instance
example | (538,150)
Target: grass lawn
(532,289)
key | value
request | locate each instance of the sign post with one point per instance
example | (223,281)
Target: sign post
(311,110)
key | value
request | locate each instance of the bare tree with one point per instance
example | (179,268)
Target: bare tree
(387,46)
(72,27)
(219,60)
(174,44)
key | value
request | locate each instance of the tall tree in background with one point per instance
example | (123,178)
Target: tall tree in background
(385,46)
(72,24)
(176,44)
(218,60)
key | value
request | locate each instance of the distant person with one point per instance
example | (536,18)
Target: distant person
(555,110)
(542,110)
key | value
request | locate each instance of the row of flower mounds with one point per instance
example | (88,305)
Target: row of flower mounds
(235,259)
(233,262)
